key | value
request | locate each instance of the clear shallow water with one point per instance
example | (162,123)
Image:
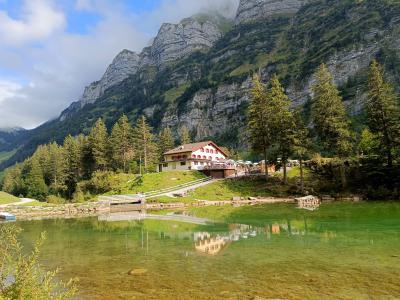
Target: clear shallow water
(341,251)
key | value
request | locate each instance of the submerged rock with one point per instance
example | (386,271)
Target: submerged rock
(136,272)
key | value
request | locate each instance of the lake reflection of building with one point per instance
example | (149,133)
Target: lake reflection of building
(213,244)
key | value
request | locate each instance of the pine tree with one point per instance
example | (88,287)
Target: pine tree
(260,134)
(184,136)
(383,111)
(281,122)
(35,185)
(56,168)
(166,142)
(13,183)
(72,158)
(145,147)
(98,140)
(329,115)
(121,142)
(302,144)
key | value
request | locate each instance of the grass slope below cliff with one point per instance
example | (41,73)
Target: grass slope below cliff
(6,198)
(133,184)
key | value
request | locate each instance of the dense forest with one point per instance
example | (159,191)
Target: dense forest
(80,166)
(363,161)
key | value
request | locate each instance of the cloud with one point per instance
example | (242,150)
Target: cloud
(8,90)
(39,19)
(51,66)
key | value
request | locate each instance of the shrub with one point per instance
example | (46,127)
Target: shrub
(55,199)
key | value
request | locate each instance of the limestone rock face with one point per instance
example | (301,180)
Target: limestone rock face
(212,112)
(125,64)
(175,41)
(251,10)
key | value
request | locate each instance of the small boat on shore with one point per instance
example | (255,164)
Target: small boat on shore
(7,216)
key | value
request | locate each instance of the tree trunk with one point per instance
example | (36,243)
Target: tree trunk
(343,178)
(389,157)
(284,172)
(266,164)
(301,176)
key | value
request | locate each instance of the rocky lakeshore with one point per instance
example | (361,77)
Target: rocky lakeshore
(92,209)
(57,211)
(98,208)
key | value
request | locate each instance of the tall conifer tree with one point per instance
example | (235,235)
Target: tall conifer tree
(57,168)
(184,136)
(98,142)
(146,149)
(72,157)
(383,111)
(166,141)
(260,134)
(121,141)
(329,115)
(36,188)
(281,122)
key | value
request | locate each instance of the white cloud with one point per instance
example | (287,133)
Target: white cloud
(56,72)
(39,19)
(8,89)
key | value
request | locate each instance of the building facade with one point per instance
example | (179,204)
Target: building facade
(196,156)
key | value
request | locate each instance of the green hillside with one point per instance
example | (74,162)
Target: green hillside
(6,198)
(290,46)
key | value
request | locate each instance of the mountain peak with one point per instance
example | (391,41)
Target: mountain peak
(125,64)
(176,41)
(251,10)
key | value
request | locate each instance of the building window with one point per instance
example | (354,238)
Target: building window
(196,163)
(199,156)
(207,151)
(211,151)
(216,151)
(202,163)
(183,163)
(210,158)
(165,165)
(204,157)
(202,149)
(193,156)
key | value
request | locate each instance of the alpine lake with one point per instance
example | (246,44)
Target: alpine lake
(277,251)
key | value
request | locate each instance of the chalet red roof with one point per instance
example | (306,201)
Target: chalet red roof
(193,147)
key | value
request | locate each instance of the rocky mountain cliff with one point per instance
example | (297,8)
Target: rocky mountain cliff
(125,64)
(252,10)
(173,42)
(198,73)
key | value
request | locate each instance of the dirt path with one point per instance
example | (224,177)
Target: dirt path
(21,202)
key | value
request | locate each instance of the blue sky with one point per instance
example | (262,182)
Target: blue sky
(51,49)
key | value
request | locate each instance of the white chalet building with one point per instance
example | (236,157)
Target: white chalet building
(197,156)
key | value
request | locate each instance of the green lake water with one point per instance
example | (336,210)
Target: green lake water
(340,251)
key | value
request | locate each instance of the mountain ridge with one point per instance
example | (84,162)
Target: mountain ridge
(208,90)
